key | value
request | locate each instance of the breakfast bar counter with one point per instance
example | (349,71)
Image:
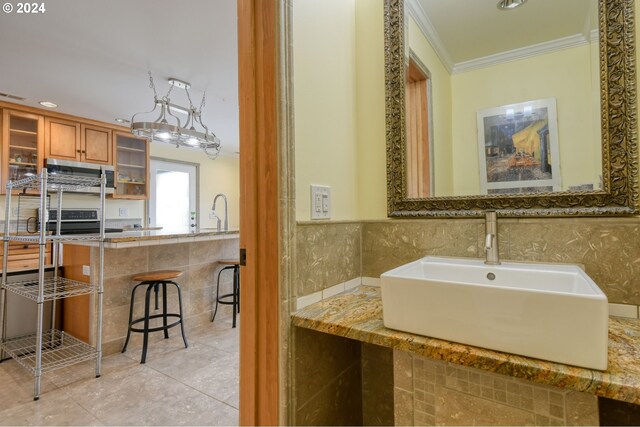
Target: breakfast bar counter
(357,315)
(132,238)
(130,253)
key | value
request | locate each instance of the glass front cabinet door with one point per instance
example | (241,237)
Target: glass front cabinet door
(22,145)
(132,166)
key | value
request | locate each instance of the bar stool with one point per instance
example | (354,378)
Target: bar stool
(153,280)
(231,264)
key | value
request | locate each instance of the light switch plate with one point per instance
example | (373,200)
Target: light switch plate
(320,202)
(123,212)
(86,270)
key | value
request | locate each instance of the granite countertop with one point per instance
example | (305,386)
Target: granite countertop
(358,315)
(134,235)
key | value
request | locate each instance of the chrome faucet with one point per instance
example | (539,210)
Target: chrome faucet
(226,217)
(491,239)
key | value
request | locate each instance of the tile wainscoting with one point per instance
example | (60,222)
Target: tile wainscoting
(331,253)
(608,248)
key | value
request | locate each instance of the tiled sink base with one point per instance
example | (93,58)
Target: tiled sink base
(431,392)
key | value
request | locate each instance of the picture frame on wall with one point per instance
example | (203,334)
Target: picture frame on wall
(518,148)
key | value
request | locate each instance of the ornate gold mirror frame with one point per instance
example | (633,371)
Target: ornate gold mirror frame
(619,195)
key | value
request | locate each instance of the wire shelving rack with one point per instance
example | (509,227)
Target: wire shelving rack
(52,349)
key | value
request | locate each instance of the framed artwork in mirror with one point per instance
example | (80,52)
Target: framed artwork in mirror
(518,148)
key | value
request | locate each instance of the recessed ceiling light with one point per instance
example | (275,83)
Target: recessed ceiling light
(48,104)
(510,4)
(122,121)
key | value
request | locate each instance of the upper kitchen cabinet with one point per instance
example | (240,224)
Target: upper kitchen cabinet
(22,144)
(131,159)
(95,145)
(62,139)
(70,140)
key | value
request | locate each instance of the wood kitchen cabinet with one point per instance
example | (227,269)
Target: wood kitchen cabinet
(131,160)
(24,256)
(62,139)
(22,144)
(95,145)
(30,135)
(70,140)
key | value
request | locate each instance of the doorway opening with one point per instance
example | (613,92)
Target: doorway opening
(173,202)
(419,130)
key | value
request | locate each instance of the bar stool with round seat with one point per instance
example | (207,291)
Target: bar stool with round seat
(153,280)
(231,264)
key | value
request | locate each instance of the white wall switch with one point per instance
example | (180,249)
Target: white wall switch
(123,212)
(86,270)
(320,202)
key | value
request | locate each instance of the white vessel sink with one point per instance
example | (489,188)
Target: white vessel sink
(550,312)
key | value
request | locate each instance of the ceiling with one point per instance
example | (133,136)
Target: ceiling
(476,29)
(91,57)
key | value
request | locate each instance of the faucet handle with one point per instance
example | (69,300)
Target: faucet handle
(488,243)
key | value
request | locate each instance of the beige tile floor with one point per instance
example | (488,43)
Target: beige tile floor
(177,386)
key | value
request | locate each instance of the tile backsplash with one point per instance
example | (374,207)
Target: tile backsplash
(331,253)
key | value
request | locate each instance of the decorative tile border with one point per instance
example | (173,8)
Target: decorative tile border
(371,281)
(624,310)
(304,301)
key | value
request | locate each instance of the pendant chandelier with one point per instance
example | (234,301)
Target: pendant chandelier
(168,128)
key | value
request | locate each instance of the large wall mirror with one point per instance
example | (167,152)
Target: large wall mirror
(527,107)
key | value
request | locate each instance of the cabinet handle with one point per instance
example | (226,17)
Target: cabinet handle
(83,152)
(77,151)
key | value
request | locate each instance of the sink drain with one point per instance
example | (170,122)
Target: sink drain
(491,276)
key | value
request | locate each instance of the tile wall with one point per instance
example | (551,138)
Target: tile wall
(329,254)
(433,392)
(328,381)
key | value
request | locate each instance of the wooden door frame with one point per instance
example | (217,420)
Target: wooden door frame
(258,34)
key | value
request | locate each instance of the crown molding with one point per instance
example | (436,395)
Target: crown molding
(416,11)
(424,23)
(521,53)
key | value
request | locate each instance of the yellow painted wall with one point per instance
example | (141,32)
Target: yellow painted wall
(371,126)
(565,75)
(324,47)
(443,121)
(216,176)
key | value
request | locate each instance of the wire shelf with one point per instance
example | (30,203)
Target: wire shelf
(53,289)
(59,350)
(55,182)
(65,238)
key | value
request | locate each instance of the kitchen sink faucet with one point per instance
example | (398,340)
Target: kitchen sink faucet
(226,217)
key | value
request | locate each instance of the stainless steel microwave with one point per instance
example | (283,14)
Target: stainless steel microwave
(90,170)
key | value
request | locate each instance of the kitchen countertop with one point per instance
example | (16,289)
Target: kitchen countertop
(357,315)
(133,238)
(135,235)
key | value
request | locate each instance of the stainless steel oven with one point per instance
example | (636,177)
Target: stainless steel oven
(56,166)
